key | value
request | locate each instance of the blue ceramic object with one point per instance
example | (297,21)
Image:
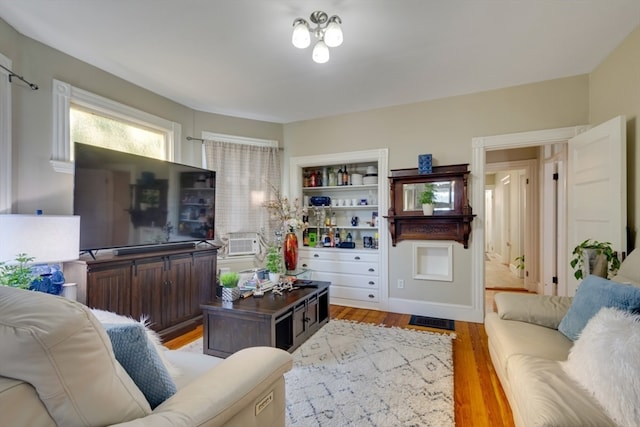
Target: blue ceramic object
(425,163)
(50,279)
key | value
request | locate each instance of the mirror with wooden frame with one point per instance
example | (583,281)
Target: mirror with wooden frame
(452,215)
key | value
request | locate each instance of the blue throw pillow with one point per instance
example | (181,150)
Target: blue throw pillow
(139,358)
(594,293)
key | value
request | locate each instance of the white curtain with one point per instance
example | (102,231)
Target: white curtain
(245,175)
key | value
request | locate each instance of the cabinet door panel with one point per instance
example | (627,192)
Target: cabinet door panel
(205,278)
(299,314)
(149,284)
(110,290)
(180,291)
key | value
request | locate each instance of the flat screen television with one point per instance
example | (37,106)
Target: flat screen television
(132,203)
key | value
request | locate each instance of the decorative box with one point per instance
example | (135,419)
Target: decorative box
(425,163)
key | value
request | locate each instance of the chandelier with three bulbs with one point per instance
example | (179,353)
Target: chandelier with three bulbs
(327,33)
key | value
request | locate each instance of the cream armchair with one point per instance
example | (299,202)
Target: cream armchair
(57,367)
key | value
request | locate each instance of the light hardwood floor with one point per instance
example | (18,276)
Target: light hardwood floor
(479,398)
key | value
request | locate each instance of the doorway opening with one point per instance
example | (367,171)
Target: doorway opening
(505,219)
(485,149)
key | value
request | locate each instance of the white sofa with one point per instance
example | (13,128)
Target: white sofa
(530,356)
(57,367)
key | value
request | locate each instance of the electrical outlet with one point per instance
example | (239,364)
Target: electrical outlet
(400,283)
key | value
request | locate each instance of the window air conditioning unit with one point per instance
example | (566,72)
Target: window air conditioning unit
(242,244)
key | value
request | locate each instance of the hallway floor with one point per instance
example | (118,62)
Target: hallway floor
(498,275)
(498,278)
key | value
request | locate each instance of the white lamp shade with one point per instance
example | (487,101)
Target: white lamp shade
(320,52)
(301,37)
(333,34)
(46,238)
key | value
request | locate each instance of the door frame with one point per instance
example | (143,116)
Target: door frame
(480,145)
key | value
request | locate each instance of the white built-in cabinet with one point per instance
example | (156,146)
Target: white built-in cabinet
(358,276)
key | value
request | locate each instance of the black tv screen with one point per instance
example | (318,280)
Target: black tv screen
(126,200)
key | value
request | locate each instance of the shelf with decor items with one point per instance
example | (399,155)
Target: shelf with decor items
(452,215)
(358,271)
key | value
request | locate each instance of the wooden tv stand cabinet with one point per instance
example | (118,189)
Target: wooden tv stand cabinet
(283,321)
(167,287)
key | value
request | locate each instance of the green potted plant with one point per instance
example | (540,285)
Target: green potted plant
(18,274)
(274,263)
(229,281)
(591,253)
(427,197)
(519,264)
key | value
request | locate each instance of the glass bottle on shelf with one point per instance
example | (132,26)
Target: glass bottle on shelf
(345,176)
(340,176)
(306,179)
(325,177)
(333,178)
(312,179)
(305,232)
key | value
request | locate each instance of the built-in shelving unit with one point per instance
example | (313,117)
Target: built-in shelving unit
(358,273)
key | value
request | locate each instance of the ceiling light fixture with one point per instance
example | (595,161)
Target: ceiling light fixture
(327,31)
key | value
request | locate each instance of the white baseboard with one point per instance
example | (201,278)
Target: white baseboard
(462,313)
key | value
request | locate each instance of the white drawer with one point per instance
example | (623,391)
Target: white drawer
(339,255)
(367,268)
(347,280)
(354,293)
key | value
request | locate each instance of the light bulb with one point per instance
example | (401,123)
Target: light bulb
(333,34)
(301,37)
(320,52)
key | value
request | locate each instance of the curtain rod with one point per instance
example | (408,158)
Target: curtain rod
(12,74)
(190,138)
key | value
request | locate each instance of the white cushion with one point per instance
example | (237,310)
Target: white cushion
(605,361)
(543,310)
(59,347)
(546,397)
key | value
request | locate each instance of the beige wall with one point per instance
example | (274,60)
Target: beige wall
(36,184)
(614,89)
(444,128)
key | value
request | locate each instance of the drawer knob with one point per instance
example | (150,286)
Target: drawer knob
(371,296)
(371,282)
(304,265)
(372,270)
(356,257)
(316,256)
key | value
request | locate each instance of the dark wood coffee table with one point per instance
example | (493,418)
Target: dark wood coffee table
(283,321)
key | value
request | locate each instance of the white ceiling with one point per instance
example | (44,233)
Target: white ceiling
(235,57)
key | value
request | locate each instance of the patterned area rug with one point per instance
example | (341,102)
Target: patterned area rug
(355,374)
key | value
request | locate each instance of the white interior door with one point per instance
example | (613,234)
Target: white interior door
(596,190)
